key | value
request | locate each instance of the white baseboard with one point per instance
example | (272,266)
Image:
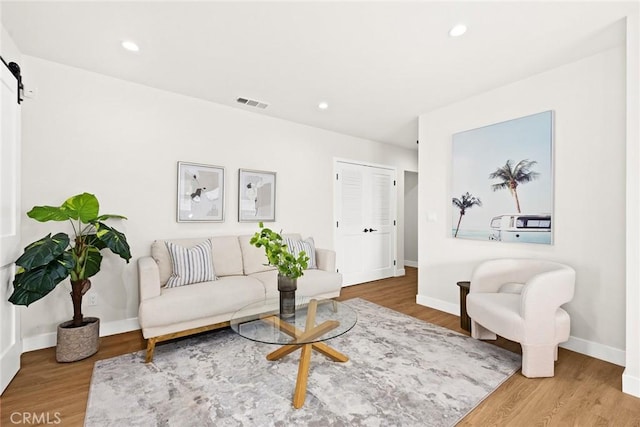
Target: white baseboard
(438,304)
(400,272)
(119,326)
(106,328)
(38,341)
(599,351)
(579,345)
(630,384)
(411,263)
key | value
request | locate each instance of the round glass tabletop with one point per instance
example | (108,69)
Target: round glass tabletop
(315,320)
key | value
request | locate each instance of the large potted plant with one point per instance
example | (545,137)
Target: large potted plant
(289,267)
(48,261)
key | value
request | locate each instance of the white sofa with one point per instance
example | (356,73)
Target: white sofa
(242,278)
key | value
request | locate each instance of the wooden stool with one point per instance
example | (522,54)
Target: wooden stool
(465,320)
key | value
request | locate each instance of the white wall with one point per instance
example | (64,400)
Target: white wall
(411,218)
(588,97)
(121,141)
(8,48)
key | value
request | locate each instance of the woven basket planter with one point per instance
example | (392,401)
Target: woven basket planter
(78,343)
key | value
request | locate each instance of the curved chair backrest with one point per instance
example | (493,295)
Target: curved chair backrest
(490,275)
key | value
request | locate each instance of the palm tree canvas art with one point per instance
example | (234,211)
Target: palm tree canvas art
(465,202)
(511,175)
(508,166)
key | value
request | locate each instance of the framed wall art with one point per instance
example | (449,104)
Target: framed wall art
(200,193)
(502,181)
(256,196)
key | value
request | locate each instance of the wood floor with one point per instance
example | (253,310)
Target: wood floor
(584,392)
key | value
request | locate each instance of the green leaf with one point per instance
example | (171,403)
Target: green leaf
(21,296)
(93,240)
(83,206)
(110,216)
(278,254)
(92,264)
(114,240)
(30,286)
(66,260)
(43,251)
(48,213)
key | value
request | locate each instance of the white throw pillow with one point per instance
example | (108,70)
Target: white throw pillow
(190,265)
(307,245)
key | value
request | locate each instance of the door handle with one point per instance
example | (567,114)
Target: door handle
(365,230)
(372,230)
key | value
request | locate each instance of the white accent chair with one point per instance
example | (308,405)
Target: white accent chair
(520,299)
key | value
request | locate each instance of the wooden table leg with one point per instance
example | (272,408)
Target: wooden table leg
(330,352)
(311,331)
(300,392)
(319,330)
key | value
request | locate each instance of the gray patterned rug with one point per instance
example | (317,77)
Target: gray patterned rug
(402,372)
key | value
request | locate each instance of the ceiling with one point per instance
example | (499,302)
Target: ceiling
(378,65)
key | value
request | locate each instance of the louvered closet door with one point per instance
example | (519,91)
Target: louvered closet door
(365,222)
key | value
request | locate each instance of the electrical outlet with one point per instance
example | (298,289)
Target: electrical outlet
(92,299)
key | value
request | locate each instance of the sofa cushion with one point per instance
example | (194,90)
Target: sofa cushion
(254,260)
(295,246)
(190,265)
(227,256)
(160,254)
(313,283)
(200,300)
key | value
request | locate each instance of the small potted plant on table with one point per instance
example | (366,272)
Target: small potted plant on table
(289,267)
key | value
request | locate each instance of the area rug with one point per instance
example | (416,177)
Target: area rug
(402,372)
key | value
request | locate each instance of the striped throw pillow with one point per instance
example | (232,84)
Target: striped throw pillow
(307,245)
(190,265)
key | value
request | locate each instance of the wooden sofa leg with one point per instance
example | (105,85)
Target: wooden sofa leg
(151,346)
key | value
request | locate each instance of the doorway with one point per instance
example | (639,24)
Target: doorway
(411,219)
(365,221)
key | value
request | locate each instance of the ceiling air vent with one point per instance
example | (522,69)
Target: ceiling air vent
(252,103)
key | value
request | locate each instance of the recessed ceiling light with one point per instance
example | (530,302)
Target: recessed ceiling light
(458,30)
(130,46)
(323,105)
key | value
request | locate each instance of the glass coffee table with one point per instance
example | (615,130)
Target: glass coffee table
(315,321)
